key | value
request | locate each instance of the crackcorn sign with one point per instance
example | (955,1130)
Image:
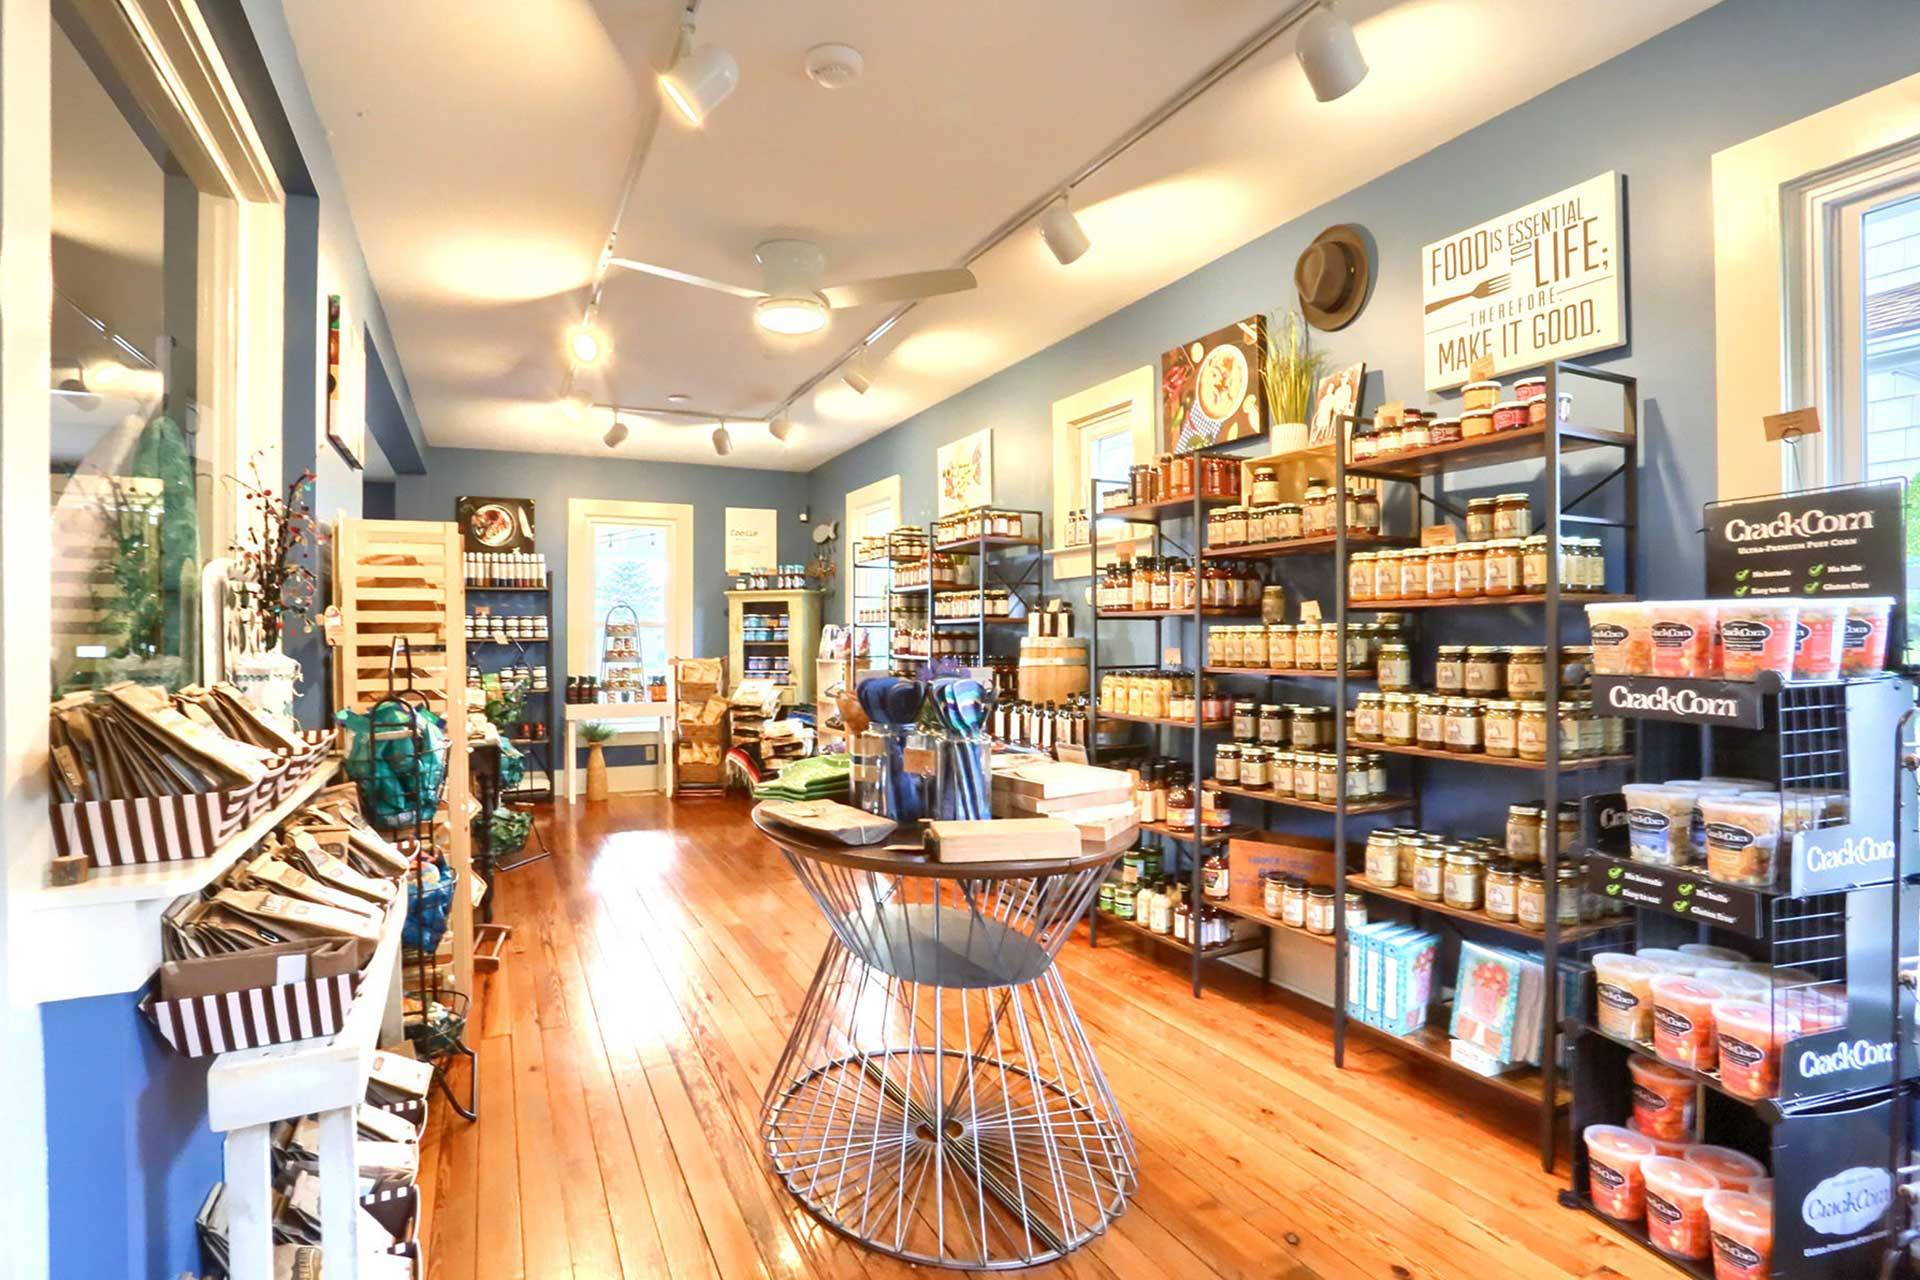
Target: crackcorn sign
(1547,281)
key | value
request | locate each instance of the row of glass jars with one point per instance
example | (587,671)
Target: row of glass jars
(1470,570)
(1479,875)
(1157,694)
(938,568)
(1506,728)
(1312,517)
(1299,775)
(994,602)
(1294,902)
(1488,670)
(1305,646)
(1174,476)
(1170,583)
(981,522)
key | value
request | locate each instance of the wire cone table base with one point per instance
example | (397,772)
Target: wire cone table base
(938,1100)
(956,1128)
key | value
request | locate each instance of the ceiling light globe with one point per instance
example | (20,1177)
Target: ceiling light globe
(1329,54)
(700,80)
(722,442)
(1063,234)
(791,315)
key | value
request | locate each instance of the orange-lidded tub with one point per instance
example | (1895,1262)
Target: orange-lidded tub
(1676,1216)
(1683,1020)
(1741,1230)
(1662,1099)
(1733,1170)
(1614,1183)
(1661,1146)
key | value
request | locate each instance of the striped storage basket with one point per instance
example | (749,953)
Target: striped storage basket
(199,1026)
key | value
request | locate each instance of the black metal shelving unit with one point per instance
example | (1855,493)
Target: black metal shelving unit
(1166,622)
(1027,584)
(1836,926)
(1424,470)
(540,752)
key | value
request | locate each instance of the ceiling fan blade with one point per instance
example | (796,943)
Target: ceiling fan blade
(901,288)
(685,277)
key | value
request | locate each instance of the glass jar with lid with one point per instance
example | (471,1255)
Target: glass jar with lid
(1527,670)
(1512,516)
(1569,892)
(1440,582)
(1363,638)
(1524,823)
(1356,909)
(1444,431)
(1469,570)
(1360,576)
(1533,564)
(1376,773)
(1293,523)
(1530,900)
(1273,885)
(1317,506)
(1500,568)
(1273,726)
(1253,646)
(1246,721)
(1530,731)
(1232,646)
(1450,669)
(1497,724)
(1415,432)
(1226,763)
(1366,717)
(1266,485)
(1397,723)
(1369,512)
(1413,574)
(1255,763)
(1463,883)
(1502,891)
(1233,526)
(1293,902)
(1303,727)
(1480,519)
(1280,646)
(1383,858)
(1181,813)
(1430,722)
(1394,667)
(1463,726)
(1576,666)
(1320,910)
(1430,873)
(1485,670)
(1214,813)
(1328,647)
(1326,777)
(1592,563)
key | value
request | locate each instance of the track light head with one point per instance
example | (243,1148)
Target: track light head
(1329,54)
(780,427)
(722,441)
(616,434)
(1063,233)
(700,80)
(858,372)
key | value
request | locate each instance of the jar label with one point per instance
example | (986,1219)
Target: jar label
(1617,997)
(1608,635)
(1740,1053)
(1672,635)
(1672,1021)
(1662,1209)
(1745,637)
(1736,1255)
(1606,1175)
(1858,629)
(1645,1099)
(1728,836)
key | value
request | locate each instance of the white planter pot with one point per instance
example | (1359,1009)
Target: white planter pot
(1289,436)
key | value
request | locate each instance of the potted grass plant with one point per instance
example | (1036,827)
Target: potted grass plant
(1290,371)
(597,733)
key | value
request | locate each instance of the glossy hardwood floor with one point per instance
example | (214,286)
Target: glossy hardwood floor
(657,961)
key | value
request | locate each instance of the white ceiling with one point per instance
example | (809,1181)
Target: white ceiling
(483,142)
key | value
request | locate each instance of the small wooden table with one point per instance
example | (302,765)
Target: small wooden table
(578,713)
(938,1100)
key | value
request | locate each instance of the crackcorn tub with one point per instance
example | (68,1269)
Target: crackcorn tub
(1750,1032)
(1662,1100)
(1863,650)
(1683,1020)
(1614,1183)
(1733,1170)
(1682,636)
(1742,833)
(1659,821)
(1740,1227)
(1757,636)
(1818,636)
(1676,1212)
(1624,990)
(1620,643)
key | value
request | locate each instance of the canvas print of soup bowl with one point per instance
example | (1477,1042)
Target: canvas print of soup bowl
(1210,389)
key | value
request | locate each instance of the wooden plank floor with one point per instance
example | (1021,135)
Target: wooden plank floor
(657,962)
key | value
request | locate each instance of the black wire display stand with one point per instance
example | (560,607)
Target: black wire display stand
(542,755)
(404,750)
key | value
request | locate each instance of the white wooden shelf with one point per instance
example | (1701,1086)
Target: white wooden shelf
(102,937)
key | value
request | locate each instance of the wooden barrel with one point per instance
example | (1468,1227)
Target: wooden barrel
(1052,668)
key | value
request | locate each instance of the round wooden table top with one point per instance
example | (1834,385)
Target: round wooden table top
(906,855)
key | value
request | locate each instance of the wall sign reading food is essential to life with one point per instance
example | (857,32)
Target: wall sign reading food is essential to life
(1547,281)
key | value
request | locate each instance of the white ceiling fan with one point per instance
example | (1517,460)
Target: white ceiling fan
(795,302)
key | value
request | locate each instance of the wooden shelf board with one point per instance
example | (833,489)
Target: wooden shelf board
(1207,726)
(1482,451)
(1400,893)
(992,543)
(1121,615)
(1502,762)
(1296,673)
(1383,804)
(1484,602)
(1323,544)
(1154,512)
(1430,1043)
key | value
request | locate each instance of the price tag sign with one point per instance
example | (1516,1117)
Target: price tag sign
(1438,535)
(1309,611)
(1170,656)
(1792,424)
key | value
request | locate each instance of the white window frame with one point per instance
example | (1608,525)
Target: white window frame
(1825,320)
(1130,403)
(584,515)
(880,494)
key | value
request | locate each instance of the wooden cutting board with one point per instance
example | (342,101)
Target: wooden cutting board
(1003,840)
(831,819)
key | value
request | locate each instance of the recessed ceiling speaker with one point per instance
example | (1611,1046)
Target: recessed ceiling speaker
(616,434)
(858,372)
(1063,233)
(1329,54)
(722,442)
(834,66)
(780,427)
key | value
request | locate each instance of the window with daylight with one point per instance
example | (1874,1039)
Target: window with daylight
(872,511)
(1106,452)
(632,571)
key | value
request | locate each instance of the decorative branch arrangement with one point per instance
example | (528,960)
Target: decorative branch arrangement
(1289,370)
(273,587)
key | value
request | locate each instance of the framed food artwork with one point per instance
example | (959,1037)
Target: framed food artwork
(495,524)
(964,470)
(1210,388)
(1339,393)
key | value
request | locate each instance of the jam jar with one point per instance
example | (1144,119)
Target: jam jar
(1383,858)
(1450,669)
(1273,886)
(1246,721)
(1395,667)
(1463,727)
(1293,903)
(1273,729)
(1226,763)
(1318,508)
(1485,673)
(1413,574)
(1512,516)
(1530,900)
(1527,670)
(1360,576)
(1366,717)
(1397,720)
(1254,764)
(1502,891)
(1319,918)
(1430,874)
(1524,822)
(1463,882)
(1480,520)
(1500,572)
(1533,565)
(1444,431)
(1497,728)
(1440,583)
(1470,570)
